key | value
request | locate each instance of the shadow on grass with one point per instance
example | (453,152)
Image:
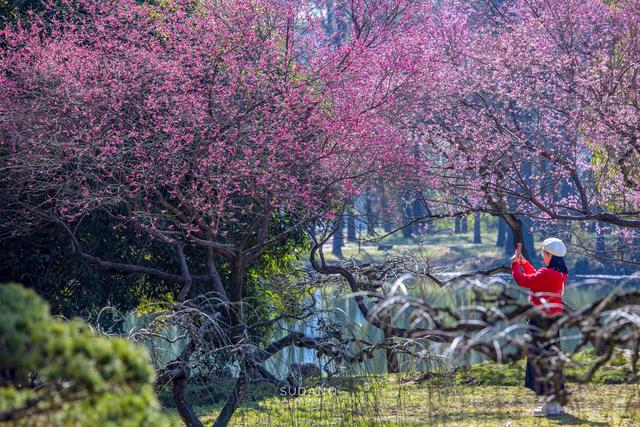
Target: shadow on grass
(488,416)
(570,420)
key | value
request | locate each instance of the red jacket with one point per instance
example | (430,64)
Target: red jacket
(546,285)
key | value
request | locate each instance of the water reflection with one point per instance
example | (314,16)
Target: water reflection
(339,306)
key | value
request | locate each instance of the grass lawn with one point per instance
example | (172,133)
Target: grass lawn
(456,253)
(396,400)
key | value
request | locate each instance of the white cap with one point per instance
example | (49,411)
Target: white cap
(554,246)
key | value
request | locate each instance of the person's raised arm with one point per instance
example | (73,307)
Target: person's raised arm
(526,265)
(525,280)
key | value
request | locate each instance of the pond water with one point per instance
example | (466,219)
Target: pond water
(339,306)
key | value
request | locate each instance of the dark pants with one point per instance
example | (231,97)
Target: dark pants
(535,376)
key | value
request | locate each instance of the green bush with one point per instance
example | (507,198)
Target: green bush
(59,373)
(489,373)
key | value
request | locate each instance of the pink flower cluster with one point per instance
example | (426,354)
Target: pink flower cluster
(200,118)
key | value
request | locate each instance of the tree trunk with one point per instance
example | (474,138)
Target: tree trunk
(233,400)
(371,219)
(238,338)
(509,241)
(384,211)
(621,247)
(178,372)
(456,225)
(477,237)
(351,224)
(464,225)
(502,233)
(601,245)
(237,279)
(405,214)
(393,366)
(338,238)
(386,222)
(418,212)
(518,232)
(528,240)
(181,399)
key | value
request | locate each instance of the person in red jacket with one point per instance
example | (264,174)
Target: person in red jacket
(546,287)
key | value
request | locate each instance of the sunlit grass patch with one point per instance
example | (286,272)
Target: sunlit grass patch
(407,399)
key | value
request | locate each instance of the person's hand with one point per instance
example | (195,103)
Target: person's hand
(517,257)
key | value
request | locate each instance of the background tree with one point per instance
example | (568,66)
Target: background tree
(518,95)
(477,233)
(553,85)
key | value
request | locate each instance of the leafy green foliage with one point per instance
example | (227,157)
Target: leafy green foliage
(269,282)
(59,373)
(43,260)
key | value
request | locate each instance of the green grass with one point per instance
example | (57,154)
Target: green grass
(450,251)
(616,371)
(486,394)
(444,248)
(395,400)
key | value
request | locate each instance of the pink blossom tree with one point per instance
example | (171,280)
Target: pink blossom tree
(215,128)
(538,115)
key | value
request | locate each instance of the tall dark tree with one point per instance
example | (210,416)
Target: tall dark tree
(419,210)
(385,210)
(370,216)
(601,245)
(477,237)
(509,242)
(351,223)
(44,261)
(338,238)
(405,208)
(527,240)
(502,233)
